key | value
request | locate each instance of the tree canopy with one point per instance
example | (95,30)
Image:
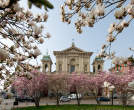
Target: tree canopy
(37,3)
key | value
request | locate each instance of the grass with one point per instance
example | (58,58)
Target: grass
(81,107)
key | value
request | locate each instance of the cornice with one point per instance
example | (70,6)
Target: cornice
(57,53)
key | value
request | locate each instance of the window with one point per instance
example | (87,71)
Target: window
(60,67)
(72,65)
(99,67)
(125,65)
(46,68)
(85,68)
(117,68)
(120,67)
(72,69)
(94,69)
(68,68)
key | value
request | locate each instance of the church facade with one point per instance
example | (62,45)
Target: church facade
(72,59)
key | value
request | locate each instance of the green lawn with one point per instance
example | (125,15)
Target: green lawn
(75,107)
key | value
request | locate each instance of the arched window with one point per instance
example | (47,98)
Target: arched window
(117,69)
(46,68)
(72,65)
(120,67)
(85,68)
(72,61)
(99,67)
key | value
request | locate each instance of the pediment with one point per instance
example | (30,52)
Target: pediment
(72,49)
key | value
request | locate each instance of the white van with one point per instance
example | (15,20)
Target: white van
(73,96)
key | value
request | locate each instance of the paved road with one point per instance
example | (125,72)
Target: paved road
(48,101)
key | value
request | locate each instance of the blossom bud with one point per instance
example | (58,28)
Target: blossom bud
(110,38)
(124,23)
(119,14)
(100,10)
(3,54)
(37,52)
(41,40)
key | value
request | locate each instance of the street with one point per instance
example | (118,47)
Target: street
(48,101)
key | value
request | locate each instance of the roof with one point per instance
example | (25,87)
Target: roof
(46,58)
(98,59)
(73,49)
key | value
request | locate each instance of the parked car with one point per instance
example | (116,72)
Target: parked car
(51,95)
(64,99)
(74,96)
(103,99)
(115,96)
(24,99)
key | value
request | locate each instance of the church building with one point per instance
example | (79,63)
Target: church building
(72,59)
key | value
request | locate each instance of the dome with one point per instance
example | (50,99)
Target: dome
(46,58)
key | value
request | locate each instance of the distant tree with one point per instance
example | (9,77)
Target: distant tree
(94,84)
(120,82)
(57,84)
(77,83)
(34,85)
(89,12)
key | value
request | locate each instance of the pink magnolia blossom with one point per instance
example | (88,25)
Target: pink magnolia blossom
(57,83)
(77,84)
(94,84)
(34,87)
(120,82)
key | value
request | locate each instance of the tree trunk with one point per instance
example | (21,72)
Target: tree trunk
(98,102)
(78,99)
(57,99)
(124,98)
(96,98)
(37,101)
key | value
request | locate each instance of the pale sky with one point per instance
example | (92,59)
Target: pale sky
(90,40)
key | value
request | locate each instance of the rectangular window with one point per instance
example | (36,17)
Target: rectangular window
(117,68)
(85,68)
(120,67)
(60,67)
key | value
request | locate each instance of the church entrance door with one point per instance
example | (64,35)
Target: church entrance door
(72,69)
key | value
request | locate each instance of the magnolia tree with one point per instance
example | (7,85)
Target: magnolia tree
(34,86)
(89,12)
(77,84)
(94,85)
(57,84)
(120,82)
(20,34)
(8,3)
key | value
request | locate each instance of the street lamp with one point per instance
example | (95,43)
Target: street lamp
(106,86)
(111,89)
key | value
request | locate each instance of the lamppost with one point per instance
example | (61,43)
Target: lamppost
(112,90)
(106,86)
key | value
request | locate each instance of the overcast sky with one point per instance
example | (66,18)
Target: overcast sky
(90,40)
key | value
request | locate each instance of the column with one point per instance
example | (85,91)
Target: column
(57,65)
(88,67)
